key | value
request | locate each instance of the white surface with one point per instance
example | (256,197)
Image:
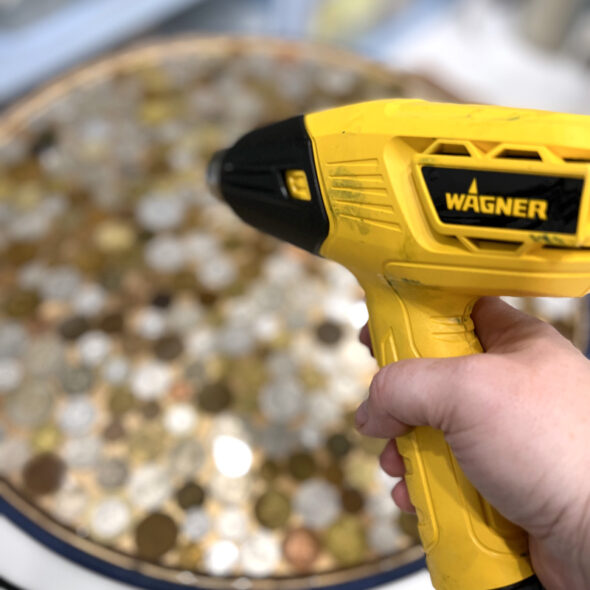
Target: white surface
(476,49)
(74,33)
(45,570)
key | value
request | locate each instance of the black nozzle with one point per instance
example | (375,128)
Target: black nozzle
(252,178)
(214,173)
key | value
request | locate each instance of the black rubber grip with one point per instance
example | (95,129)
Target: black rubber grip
(531,583)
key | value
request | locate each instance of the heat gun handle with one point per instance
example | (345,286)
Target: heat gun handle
(468,544)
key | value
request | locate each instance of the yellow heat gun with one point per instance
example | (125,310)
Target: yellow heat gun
(430,206)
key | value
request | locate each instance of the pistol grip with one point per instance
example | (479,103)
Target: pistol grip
(468,544)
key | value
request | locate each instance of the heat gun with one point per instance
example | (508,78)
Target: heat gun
(430,206)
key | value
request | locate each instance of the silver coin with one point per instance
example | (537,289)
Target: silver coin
(183,316)
(14,453)
(221,557)
(322,411)
(31,275)
(228,490)
(31,404)
(29,227)
(13,339)
(232,523)
(164,254)
(217,273)
(82,452)
(71,502)
(150,323)
(160,212)
(77,416)
(236,340)
(151,380)
(116,370)
(317,502)
(76,379)
(277,441)
(110,518)
(196,523)
(282,400)
(89,300)
(11,374)
(384,537)
(149,486)
(186,458)
(180,419)
(93,347)
(232,456)
(44,355)
(112,472)
(60,283)
(260,554)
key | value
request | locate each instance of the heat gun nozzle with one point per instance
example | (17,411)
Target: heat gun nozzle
(214,173)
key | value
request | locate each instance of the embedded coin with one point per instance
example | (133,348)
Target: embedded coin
(155,535)
(31,404)
(44,355)
(110,518)
(150,410)
(82,452)
(114,431)
(346,541)
(196,523)
(149,486)
(43,474)
(301,466)
(301,548)
(232,523)
(186,458)
(338,445)
(47,438)
(121,401)
(74,327)
(112,473)
(221,557)
(273,509)
(76,379)
(352,500)
(179,419)
(214,397)
(168,347)
(151,380)
(261,553)
(190,556)
(190,495)
(317,502)
(112,323)
(77,416)
(329,332)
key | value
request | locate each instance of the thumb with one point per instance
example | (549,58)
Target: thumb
(416,392)
(503,328)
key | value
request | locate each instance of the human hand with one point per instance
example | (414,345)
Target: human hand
(518,421)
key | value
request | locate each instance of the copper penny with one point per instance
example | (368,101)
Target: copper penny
(352,500)
(155,535)
(112,323)
(43,474)
(301,548)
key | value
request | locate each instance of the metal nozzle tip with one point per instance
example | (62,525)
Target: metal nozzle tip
(214,173)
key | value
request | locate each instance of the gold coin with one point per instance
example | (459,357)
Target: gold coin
(190,557)
(346,541)
(147,442)
(47,438)
(269,470)
(121,401)
(113,236)
(272,509)
(334,474)
(21,304)
(301,548)
(155,535)
(301,466)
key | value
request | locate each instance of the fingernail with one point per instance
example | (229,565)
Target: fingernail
(362,415)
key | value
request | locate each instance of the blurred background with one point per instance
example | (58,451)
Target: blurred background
(531,53)
(525,53)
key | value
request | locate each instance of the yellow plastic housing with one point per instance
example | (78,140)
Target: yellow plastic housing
(422,276)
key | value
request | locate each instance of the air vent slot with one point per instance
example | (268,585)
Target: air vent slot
(451,149)
(516,154)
